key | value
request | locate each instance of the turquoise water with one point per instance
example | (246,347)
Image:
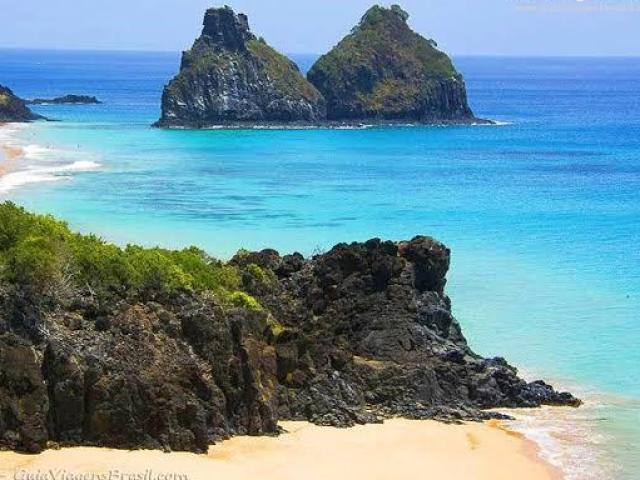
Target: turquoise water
(542,212)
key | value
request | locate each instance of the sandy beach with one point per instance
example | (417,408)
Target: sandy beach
(397,449)
(9,155)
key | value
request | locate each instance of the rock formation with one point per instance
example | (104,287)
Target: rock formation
(384,71)
(366,331)
(66,100)
(142,375)
(14,109)
(230,77)
(354,335)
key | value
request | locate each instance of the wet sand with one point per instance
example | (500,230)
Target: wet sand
(394,450)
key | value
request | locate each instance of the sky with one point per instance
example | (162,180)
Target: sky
(461,27)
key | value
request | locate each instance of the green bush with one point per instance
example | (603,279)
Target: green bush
(261,275)
(41,253)
(102,267)
(243,300)
(36,262)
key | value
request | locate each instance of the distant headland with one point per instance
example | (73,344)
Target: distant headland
(13,108)
(66,100)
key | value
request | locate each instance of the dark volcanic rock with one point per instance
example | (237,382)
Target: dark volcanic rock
(366,331)
(384,71)
(357,334)
(14,109)
(67,99)
(230,77)
(146,376)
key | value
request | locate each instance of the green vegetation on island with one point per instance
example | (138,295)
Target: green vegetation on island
(383,70)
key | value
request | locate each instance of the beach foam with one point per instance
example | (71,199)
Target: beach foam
(39,163)
(569,438)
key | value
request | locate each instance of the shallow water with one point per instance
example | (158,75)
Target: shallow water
(542,212)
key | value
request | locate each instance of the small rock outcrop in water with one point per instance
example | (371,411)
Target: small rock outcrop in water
(384,71)
(13,108)
(67,100)
(355,335)
(230,77)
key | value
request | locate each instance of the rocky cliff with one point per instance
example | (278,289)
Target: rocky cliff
(14,109)
(147,348)
(231,77)
(385,71)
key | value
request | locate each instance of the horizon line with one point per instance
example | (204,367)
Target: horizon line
(491,55)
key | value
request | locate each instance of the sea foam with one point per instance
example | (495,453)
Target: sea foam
(39,163)
(569,438)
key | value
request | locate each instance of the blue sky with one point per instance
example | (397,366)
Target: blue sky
(462,27)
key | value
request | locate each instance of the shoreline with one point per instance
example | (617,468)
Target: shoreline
(9,153)
(530,448)
(377,451)
(23,163)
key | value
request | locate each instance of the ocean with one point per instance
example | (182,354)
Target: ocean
(541,211)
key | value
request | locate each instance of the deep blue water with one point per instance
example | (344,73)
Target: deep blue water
(542,213)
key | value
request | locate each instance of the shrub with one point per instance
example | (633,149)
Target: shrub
(41,253)
(261,275)
(243,300)
(206,273)
(36,262)
(102,267)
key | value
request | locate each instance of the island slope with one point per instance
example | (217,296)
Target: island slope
(13,108)
(384,71)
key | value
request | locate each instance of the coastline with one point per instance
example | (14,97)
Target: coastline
(23,162)
(9,153)
(380,451)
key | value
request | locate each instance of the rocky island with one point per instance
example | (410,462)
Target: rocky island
(174,350)
(14,109)
(231,77)
(384,71)
(66,100)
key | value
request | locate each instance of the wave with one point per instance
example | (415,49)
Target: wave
(571,439)
(491,123)
(37,152)
(20,178)
(39,163)
(8,132)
